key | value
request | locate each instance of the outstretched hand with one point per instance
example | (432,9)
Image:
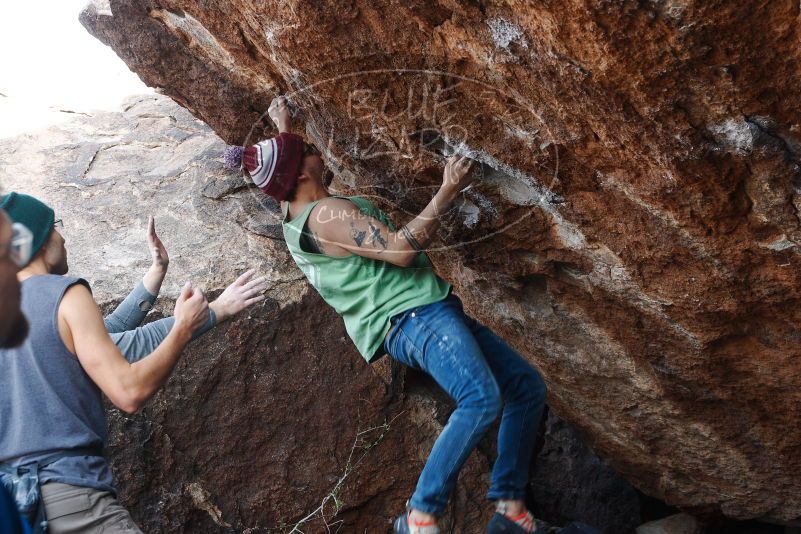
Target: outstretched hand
(161,260)
(244,292)
(158,251)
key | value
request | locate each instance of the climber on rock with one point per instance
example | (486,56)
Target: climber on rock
(53,430)
(380,280)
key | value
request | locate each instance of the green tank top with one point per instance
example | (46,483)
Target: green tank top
(364,291)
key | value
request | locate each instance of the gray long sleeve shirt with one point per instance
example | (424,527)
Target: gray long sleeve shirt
(135,341)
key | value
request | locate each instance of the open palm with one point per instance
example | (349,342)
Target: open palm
(246,290)
(157,249)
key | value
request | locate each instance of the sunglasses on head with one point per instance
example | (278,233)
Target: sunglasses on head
(21,246)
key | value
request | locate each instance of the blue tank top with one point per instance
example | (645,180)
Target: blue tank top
(47,401)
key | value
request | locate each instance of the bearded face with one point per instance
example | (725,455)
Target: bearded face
(55,254)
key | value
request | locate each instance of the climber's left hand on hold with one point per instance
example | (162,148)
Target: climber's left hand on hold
(280,114)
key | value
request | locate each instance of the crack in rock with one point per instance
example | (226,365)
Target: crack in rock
(202,500)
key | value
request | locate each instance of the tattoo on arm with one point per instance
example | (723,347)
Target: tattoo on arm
(376,237)
(411,239)
(357,235)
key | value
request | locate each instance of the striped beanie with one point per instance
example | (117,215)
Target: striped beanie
(273,164)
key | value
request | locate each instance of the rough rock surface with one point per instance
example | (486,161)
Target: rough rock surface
(258,424)
(570,483)
(635,232)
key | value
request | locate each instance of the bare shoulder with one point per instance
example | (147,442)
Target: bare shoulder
(78,302)
(335,209)
(77,310)
(78,295)
(332,213)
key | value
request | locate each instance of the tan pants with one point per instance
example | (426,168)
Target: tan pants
(73,510)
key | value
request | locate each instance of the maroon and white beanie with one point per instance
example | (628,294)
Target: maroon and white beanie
(273,164)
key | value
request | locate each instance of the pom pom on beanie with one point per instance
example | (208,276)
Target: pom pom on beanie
(232,159)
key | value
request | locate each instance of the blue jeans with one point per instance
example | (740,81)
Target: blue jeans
(483,375)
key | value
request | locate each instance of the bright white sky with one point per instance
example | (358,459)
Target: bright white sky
(48,61)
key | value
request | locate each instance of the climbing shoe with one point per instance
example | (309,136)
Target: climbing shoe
(524,524)
(504,522)
(501,524)
(403,526)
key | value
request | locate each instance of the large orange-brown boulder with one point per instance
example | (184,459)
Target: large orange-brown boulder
(634,230)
